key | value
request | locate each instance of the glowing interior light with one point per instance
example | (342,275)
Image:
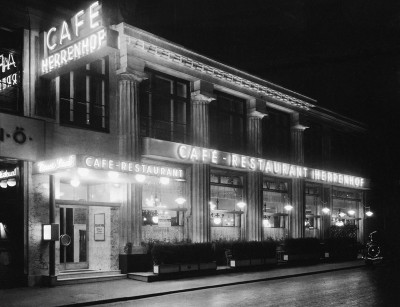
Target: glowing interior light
(266,223)
(241,204)
(11,182)
(3,234)
(3,184)
(155,219)
(341,214)
(140,177)
(180,200)
(288,207)
(351,212)
(164,180)
(113,175)
(369,213)
(144,219)
(83,171)
(217,220)
(339,223)
(75,182)
(326,210)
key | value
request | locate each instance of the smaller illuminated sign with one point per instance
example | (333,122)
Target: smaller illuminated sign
(132,167)
(6,174)
(55,164)
(8,71)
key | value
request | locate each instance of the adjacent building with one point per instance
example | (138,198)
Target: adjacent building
(119,136)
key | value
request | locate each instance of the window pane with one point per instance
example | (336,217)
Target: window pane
(181,89)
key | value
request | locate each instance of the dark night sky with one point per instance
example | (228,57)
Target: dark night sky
(343,53)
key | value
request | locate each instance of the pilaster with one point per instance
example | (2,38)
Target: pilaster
(254,214)
(297,196)
(129,148)
(201,97)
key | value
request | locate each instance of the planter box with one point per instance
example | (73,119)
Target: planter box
(165,268)
(208,266)
(257,261)
(189,267)
(239,263)
(270,260)
(129,263)
(300,257)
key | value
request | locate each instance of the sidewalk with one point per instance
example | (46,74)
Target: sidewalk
(127,289)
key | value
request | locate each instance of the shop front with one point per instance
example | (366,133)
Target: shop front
(94,205)
(323,204)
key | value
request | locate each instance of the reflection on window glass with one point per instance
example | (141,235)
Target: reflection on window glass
(103,192)
(163,204)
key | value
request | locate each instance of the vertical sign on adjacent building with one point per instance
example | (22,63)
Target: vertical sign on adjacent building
(99,227)
(10,71)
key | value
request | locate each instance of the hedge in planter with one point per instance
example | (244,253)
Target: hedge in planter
(182,253)
(302,249)
(341,248)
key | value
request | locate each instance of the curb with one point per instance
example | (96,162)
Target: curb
(137,297)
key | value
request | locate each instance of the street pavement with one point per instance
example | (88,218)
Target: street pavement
(366,287)
(127,290)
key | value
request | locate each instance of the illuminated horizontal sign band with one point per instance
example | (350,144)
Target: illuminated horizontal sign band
(104,164)
(193,154)
(132,167)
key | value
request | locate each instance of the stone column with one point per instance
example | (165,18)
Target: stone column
(254,214)
(129,148)
(200,209)
(297,217)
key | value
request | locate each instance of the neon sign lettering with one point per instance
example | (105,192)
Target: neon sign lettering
(7,63)
(132,167)
(268,167)
(7,174)
(56,164)
(59,41)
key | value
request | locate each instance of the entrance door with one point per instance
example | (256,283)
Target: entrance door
(73,246)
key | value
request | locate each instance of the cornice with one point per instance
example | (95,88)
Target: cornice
(150,44)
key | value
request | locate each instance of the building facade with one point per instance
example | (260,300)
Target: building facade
(118,136)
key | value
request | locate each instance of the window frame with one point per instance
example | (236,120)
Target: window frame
(148,122)
(101,79)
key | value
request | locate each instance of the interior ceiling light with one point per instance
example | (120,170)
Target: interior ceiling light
(75,182)
(164,180)
(326,210)
(180,200)
(241,204)
(11,182)
(288,207)
(140,177)
(113,175)
(83,171)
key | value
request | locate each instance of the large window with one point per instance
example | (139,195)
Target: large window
(164,107)
(276,135)
(227,123)
(84,96)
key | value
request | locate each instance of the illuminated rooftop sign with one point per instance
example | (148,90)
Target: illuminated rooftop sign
(8,174)
(193,154)
(72,42)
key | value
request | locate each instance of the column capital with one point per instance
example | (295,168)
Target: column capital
(256,114)
(125,74)
(198,97)
(202,92)
(298,122)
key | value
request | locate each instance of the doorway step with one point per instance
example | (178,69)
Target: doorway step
(85,276)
